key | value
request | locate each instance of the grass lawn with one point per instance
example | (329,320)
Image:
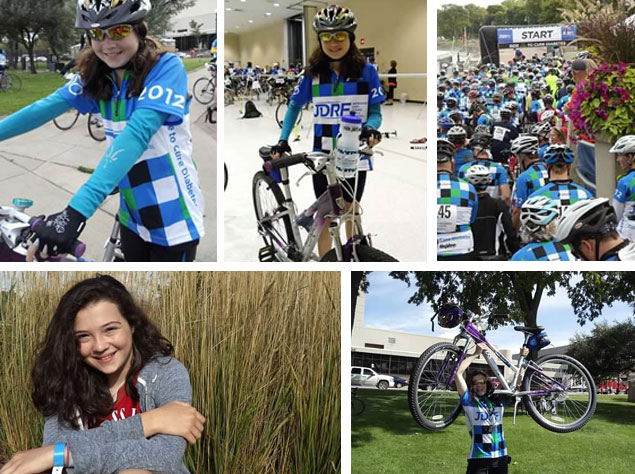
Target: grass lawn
(36,86)
(386,439)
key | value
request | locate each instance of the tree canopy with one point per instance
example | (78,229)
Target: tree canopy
(609,351)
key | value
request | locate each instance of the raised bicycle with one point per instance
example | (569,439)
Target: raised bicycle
(557,390)
(276,214)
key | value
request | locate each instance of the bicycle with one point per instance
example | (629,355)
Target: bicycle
(205,87)
(557,390)
(17,237)
(276,214)
(357,404)
(9,81)
(95,124)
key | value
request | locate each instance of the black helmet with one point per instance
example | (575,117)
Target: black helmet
(450,316)
(106,13)
(335,18)
(445,150)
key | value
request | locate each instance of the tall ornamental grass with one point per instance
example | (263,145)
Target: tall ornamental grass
(262,349)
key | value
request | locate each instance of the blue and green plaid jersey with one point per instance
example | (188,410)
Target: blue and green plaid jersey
(160,197)
(625,190)
(544,251)
(565,192)
(484,419)
(459,193)
(530,180)
(496,171)
(624,202)
(332,98)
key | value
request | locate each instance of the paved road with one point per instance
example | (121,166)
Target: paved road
(42,166)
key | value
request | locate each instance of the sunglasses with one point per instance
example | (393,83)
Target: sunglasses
(481,382)
(115,33)
(338,36)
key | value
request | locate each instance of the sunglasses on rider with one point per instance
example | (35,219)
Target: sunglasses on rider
(479,382)
(338,36)
(115,33)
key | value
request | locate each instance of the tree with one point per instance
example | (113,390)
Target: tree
(519,293)
(609,351)
(162,12)
(195,29)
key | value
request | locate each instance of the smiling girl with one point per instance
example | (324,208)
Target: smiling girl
(114,398)
(337,79)
(141,93)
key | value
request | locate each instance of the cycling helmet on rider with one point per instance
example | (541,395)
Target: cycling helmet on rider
(538,212)
(558,153)
(445,150)
(479,176)
(103,14)
(335,18)
(457,135)
(525,145)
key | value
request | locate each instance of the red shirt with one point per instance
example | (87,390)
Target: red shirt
(123,408)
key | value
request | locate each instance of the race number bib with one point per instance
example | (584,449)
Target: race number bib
(279,80)
(499,133)
(446,218)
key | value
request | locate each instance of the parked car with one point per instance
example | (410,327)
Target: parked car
(399,382)
(367,376)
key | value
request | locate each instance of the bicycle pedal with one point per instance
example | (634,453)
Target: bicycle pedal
(266,254)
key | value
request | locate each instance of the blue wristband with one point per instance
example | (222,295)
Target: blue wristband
(59,454)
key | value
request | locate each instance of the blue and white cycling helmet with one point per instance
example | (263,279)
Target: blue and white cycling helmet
(106,13)
(450,316)
(335,18)
(558,153)
(537,212)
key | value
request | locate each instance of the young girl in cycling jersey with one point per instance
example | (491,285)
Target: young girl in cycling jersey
(484,417)
(338,81)
(141,93)
(114,398)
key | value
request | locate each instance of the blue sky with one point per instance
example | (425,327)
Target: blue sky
(387,307)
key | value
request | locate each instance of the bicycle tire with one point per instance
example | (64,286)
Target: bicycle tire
(6,83)
(67,120)
(96,128)
(17,82)
(281,111)
(365,253)
(535,409)
(357,406)
(269,201)
(226,176)
(203,90)
(429,376)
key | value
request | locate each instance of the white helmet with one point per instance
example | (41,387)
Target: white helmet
(525,145)
(479,176)
(547,115)
(587,218)
(537,212)
(623,145)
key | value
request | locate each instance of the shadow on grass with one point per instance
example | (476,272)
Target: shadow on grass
(388,411)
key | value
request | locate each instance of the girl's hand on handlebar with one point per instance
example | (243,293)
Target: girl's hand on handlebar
(32,461)
(174,418)
(281,147)
(372,136)
(480,347)
(524,351)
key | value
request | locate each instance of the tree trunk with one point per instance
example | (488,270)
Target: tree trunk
(356,280)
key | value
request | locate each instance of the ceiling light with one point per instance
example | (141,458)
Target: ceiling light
(228,9)
(276,4)
(251,21)
(268,13)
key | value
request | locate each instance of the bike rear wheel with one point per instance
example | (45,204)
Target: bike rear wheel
(281,111)
(96,127)
(561,411)
(67,119)
(273,218)
(203,90)
(433,402)
(357,404)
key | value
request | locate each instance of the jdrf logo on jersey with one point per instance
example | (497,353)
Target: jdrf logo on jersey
(332,110)
(481,416)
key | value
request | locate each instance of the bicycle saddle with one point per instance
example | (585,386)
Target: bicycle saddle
(528,329)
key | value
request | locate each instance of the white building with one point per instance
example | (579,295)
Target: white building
(203,11)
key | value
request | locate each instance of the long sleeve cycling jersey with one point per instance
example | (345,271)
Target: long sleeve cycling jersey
(624,205)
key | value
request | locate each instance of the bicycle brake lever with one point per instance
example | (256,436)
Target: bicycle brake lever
(297,183)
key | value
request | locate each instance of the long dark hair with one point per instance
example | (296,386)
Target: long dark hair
(95,72)
(62,383)
(351,65)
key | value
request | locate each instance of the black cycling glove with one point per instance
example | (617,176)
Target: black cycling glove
(58,232)
(368,132)
(281,147)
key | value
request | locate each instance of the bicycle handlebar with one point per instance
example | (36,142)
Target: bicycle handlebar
(287,161)
(77,248)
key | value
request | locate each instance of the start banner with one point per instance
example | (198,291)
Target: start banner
(547,34)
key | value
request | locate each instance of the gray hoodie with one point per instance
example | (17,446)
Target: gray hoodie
(118,445)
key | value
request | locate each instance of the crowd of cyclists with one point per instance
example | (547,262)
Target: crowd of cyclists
(505,188)
(252,81)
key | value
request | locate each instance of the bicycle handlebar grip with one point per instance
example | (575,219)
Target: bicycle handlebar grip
(284,162)
(35,221)
(77,248)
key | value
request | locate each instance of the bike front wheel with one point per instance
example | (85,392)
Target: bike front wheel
(67,119)
(434,402)
(96,127)
(203,90)
(363,253)
(281,111)
(564,396)
(273,218)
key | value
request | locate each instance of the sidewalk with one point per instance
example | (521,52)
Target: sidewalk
(42,166)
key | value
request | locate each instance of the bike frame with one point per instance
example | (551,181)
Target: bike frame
(330,205)
(470,332)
